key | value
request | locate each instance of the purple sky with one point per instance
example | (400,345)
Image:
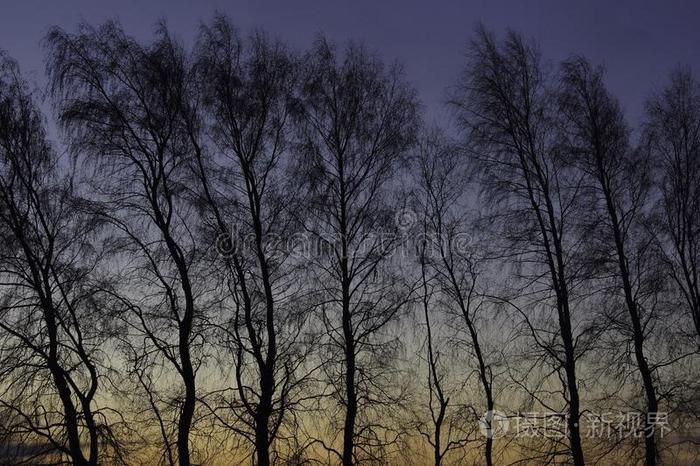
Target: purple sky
(639,42)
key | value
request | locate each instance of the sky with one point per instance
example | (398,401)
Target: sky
(638,42)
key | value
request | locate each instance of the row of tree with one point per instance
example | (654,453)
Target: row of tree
(254,255)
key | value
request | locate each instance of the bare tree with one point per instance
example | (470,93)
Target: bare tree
(596,139)
(119,103)
(442,189)
(253,207)
(672,133)
(504,104)
(439,400)
(356,119)
(51,314)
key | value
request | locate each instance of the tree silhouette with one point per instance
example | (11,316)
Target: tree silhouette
(596,141)
(356,119)
(245,89)
(504,104)
(120,103)
(672,133)
(52,313)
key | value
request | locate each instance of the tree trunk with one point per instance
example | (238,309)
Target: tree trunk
(350,394)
